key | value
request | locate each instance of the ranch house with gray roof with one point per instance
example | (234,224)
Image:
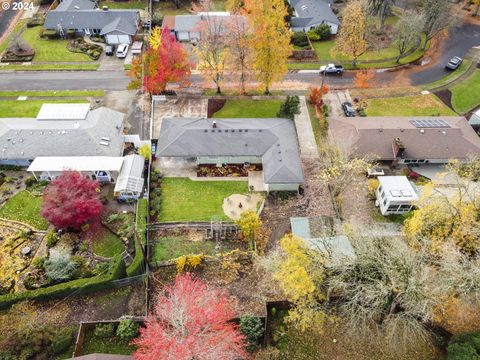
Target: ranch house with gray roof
(311,13)
(270,142)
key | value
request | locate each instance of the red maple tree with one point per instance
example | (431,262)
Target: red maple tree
(167,64)
(71,200)
(190,321)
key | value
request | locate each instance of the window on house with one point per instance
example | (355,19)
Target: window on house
(393,208)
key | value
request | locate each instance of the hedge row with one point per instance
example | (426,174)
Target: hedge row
(116,271)
(137,266)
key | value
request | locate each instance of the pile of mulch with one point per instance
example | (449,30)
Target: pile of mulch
(445,96)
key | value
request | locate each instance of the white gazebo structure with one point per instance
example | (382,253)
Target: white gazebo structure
(395,195)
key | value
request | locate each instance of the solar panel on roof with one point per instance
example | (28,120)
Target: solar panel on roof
(430,123)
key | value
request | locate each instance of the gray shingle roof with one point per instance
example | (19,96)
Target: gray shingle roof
(67,5)
(375,135)
(312,12)
(111,20)
(272,139)
(25,138)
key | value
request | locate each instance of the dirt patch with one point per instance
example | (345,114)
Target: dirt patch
(445,96)
(215,105)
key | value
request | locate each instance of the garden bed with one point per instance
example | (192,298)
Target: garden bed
(230,170)
(79,45)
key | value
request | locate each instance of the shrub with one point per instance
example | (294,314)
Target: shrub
(62,340)
(464,347)
(104,330)
(313,36)
(70,33)
(39,262)
(51,239)
(29,181)
(36,21)
(59,266)
(83,247)
(127,329)
(50,34)
(289,108)
(299,38)
(252,328)
(324,31)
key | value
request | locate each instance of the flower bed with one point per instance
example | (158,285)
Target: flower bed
(232,170)
(81,46)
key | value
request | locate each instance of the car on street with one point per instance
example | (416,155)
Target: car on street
(331,69)
(348,109)
(454,63)
(122,51)
(109,50)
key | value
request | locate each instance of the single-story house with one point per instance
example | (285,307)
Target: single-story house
(61,130)
(270,142)
(187,27)
(311,13)
(395,195)
(125,172)
(323,234)
(474,120)
(406,140)
(118,26)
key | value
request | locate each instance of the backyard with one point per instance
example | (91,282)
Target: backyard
(24,207)
(140,5)
(249,109)
(107,244)
(466,95)
(171,247)
(415,105)
(185,200)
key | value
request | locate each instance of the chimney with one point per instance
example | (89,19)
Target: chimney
(214,124)
(398,148)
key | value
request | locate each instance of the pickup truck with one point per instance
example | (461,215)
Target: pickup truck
(331,69)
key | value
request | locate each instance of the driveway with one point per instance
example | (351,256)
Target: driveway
(334,100)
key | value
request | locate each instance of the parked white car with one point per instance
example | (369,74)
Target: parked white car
(122,51)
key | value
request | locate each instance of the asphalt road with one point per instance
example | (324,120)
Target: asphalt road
(460,41)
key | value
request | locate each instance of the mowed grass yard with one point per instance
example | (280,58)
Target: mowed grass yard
(187,200)
(107,244)
(24,207)
(466,95)
(140,5)
(249,109)
(28,108)
(167,248)
(50,50)
(418,105)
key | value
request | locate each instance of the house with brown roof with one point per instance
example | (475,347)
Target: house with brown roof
(405,140)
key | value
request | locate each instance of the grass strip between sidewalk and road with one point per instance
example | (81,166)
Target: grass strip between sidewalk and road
(29,108)
(52,93)
(51,67)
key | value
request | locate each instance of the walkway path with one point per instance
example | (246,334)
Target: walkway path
(306,137)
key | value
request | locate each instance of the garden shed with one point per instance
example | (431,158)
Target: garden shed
(395,195)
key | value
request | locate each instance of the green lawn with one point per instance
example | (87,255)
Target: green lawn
(249,109)
(24,207)
(453,75)
(187,200)
(164,8)
(28,108)
(52,93)
(107,244)
(167,248)
(113,345)
(418,105)
(51,67)
(18,26)
(466,95)
(50,50)
(125,4)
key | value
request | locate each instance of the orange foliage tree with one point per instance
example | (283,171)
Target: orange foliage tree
(316,96)
(363,78)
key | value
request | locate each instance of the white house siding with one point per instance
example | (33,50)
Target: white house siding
(333,27)
(229,160)
(281,187)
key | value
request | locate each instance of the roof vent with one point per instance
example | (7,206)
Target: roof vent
(104,143)
(205,130)
(240,130)
(214,124)
(105,139)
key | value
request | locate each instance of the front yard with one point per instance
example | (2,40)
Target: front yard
(466,95)
(185,200)
(50,50)
(249,109)
(24,207)
(415,105)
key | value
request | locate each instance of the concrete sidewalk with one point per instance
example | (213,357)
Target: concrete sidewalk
(306,137)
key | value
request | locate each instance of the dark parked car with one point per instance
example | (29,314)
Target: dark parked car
(348,109)
(454,63)
(109,50)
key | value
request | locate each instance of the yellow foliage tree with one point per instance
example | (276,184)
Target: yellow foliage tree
(145,151)
(233,6)
(271,45)
(248,223)
(155,39)
(351,39)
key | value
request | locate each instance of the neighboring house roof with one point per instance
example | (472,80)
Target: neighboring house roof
(100,134)
(131,174)
(124,21)
(452,138)
(169,22)
(475,118)
(398,188)
(67,5)
(319,233)
(189,23)
(272,139)
(76,163)
(312,12)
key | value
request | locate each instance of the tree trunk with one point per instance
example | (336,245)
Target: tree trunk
(218,89)
(267,91)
